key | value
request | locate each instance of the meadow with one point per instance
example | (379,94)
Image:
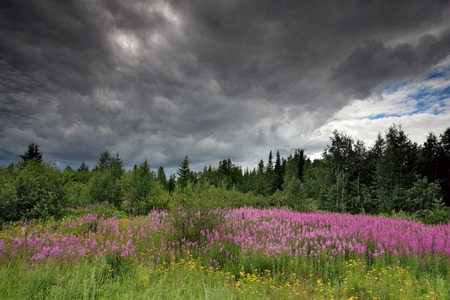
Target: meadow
(244,253)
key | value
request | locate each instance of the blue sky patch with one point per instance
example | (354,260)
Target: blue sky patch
(423,100)
(430,100)
(392,88)
(441,72)
(381,116)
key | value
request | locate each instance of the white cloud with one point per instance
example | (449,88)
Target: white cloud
(363,119)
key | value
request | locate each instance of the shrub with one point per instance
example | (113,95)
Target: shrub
(438,214)
(39,190)
(8,197)
(103,187)
(76,194)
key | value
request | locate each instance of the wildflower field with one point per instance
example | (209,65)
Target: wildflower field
(241,253)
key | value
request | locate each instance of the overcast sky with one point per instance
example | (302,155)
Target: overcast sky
(160,80)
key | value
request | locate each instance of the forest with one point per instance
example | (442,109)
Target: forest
(358,223)
(394,176)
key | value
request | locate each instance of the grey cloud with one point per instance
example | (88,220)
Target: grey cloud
(164,79)
(374,63)
(264,49)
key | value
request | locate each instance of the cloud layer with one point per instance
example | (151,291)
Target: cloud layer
(159,80)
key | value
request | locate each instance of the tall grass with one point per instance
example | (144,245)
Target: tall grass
(235,254)
(190,280)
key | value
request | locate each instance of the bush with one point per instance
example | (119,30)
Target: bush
(8,198)
(103,187)
(189,222)
(76,194)
(39,191)
(157,198)
(438,214)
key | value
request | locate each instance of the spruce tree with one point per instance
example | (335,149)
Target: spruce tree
(184,173)
(103,184)
(300,164)
(444,164)
(279,173)
(171,184)
(269,176)
(33,153)
(161,177)
(83,174)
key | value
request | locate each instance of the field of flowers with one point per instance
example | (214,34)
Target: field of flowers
(248,253)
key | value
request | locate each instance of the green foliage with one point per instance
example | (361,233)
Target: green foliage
(104,187)
(161,177)
(395,170)
(171,184)
(143,191)
(39,191)
(199,207)
(140,183)
(227,174)
(8,197)
(193,213)
(104,183)
(117,267)
(279,173)
(295,195)
(157,198)
(33,153)
(105,210)
(205,196)
(110,163)
(349,178)
(189,222)
(437,214)
(421,195)
(185,174)
(77,194)
(82,173)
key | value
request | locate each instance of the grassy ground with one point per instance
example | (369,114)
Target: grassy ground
(100,279)
(250,254)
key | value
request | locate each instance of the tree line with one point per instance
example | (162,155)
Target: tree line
(394,175)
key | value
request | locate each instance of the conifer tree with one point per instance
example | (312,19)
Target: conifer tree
(141,179)
(33,153)
(171,184)
(103,184)
(184,173)
(83,174)
(279,173)
(444,164)
(161,177)
(300,163)
(270,186)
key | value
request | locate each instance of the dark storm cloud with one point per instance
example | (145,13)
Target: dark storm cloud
(208,79)
(375,63)
(272,49)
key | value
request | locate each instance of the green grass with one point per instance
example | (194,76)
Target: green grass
(100,279)
(187,275)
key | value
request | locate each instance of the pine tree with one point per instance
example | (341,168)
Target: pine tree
(171,184)
(259,182)
(103,184)
(300,164)
(279,173)
(33,153)
(83,174)
(141,179)
(110,163)
(396,170)
(444,164)
(161,177)
(270,187)
(184,173)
